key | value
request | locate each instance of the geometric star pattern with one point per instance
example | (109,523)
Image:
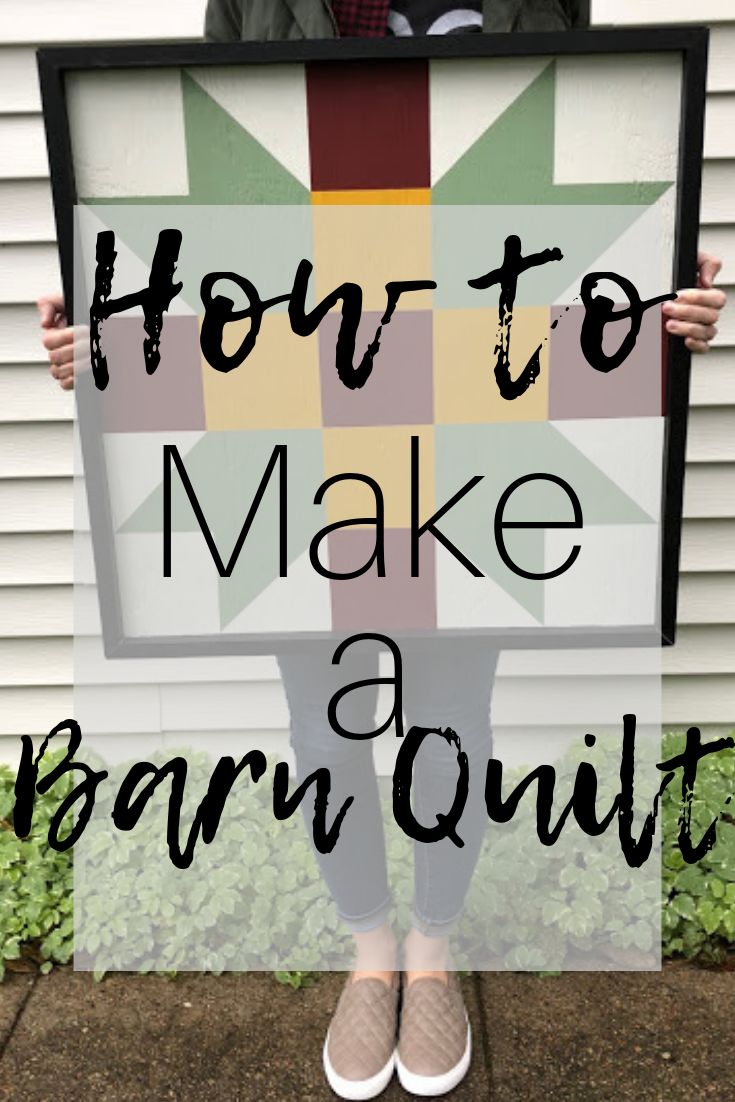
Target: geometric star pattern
(371,213)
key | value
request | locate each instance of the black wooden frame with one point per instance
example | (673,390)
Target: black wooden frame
(690,42)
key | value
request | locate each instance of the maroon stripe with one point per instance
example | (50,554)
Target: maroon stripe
(369,125)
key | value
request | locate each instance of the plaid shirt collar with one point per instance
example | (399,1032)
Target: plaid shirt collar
(363,18)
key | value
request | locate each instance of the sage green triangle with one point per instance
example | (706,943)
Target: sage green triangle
(225,469)
(513,162)
(504,452)
(226,165)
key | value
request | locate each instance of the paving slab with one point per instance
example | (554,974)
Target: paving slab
(238,1038)
(14,990)
(610,1037)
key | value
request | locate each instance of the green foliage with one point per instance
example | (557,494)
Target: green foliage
(594,911)
(36,902)
(36,919)
(248,901)
(699,900)
(296,980)
(593,905)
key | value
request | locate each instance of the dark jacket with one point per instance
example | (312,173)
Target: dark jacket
(248,20)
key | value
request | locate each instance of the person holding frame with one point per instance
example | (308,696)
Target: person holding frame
(412,1021)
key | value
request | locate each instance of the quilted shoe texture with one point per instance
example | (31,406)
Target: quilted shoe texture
(434,1041)
(359,1052)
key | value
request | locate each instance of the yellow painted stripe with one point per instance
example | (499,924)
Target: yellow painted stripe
(389,197)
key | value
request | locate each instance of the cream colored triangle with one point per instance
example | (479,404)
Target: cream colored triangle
(298,602)
(627,450)
(467,98)
(269,101)
(464,601)
(135,467)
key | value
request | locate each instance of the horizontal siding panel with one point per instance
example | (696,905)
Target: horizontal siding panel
(19,89)
(38,559)
(719,135)
(726,326)
(704,650)
(100,21)
(49,610)
(20,335)
(721,76)
(19,79)
(22,147)
(638,12)
(32,611)
(713,377)
(709,491)
(271,742)
(35,662)
(707,545)
(698,650)
(707,599)
(36,505)
(195,707)
(685,700)
(718,189)
(695,700)
(26,271)
(30,394)
(720,240)
(33,711)
(93,668)
(223,706)
(26,211)
(127,709)
(35,451)
(711,437)
(10,750)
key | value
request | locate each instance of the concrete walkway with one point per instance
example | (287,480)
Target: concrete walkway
(583,1037)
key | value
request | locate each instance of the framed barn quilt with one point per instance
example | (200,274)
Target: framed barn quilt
(371,334)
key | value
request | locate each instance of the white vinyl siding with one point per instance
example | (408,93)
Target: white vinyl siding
(36,613)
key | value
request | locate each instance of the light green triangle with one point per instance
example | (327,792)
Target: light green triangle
(513,162)
(504,452)
(225,469)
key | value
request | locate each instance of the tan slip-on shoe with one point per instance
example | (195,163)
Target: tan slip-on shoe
(434,1037)
(359,1052)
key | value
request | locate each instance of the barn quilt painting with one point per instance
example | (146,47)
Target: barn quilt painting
(378,171)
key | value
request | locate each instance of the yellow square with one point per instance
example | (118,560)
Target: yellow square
(465,390)
(277,386)
(383,454)
(372,246)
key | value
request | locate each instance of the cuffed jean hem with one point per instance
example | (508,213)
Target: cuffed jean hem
(432,928)
(372,921)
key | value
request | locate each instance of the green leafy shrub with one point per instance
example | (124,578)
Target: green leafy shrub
(36,901)
(699,900)
(36,917)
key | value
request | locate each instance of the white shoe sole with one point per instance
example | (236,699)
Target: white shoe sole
(357,1090)
(431,1086)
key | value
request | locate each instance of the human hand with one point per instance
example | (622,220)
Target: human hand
(696,311)
(58,339)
